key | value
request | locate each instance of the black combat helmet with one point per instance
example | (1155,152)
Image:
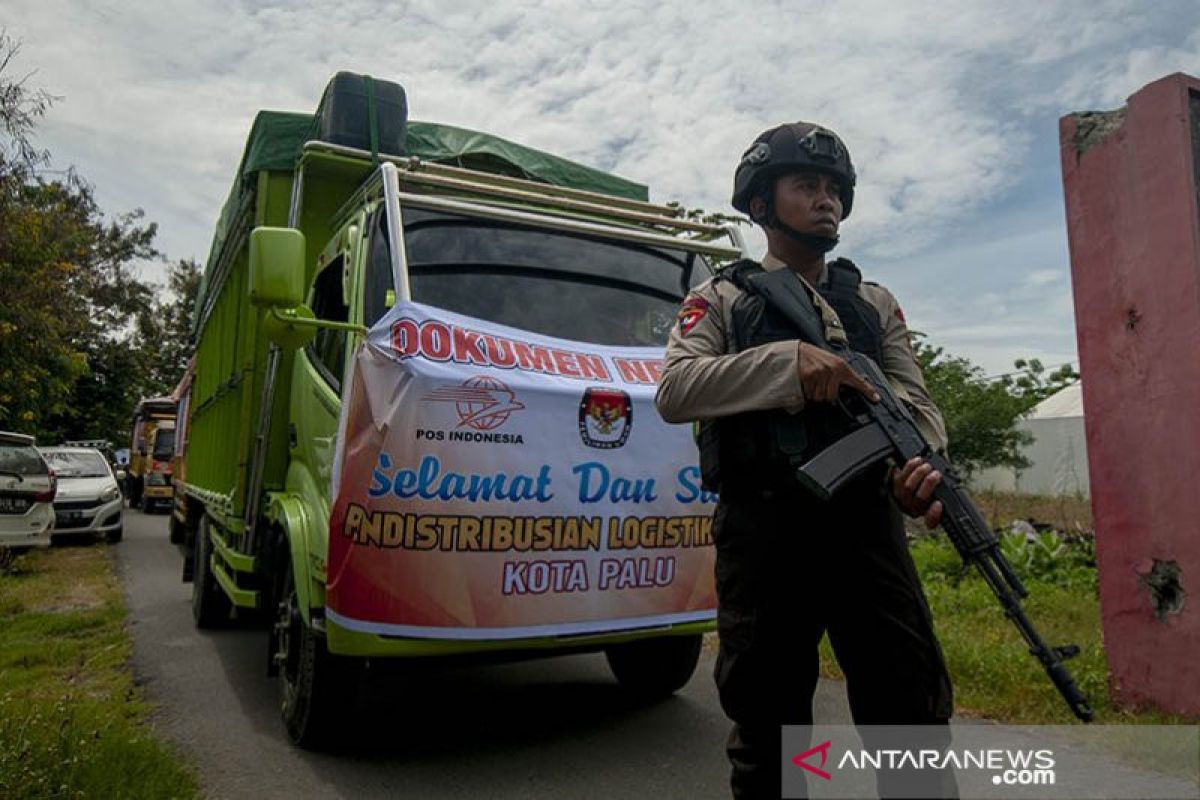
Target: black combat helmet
(789,147)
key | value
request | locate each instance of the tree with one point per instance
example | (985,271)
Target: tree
(1033,385)
(67,286)
(164,331)
(980,415)
(147,361)
(20,109)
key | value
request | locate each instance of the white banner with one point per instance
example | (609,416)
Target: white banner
(491,483)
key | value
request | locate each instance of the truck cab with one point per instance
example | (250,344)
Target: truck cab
(157,491)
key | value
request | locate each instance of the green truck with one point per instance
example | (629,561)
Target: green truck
(342,219)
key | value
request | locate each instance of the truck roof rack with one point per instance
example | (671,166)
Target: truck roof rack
(439,179)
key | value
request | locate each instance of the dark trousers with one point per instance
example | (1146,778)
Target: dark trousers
(791,568)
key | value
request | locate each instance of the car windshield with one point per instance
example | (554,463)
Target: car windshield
(76,464)
(546,281)
(21,460)
(164,445)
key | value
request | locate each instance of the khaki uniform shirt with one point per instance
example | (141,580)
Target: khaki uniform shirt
(704,377)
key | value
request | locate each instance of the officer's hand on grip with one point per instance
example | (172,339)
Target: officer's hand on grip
(822,374)
(913,486)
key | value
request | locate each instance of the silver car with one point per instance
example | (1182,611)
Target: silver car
(89,498)
(27,487)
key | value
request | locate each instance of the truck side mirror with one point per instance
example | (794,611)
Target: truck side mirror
(277,284)
(276,267)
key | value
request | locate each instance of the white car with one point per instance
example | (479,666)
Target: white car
(27,488)
(89,497)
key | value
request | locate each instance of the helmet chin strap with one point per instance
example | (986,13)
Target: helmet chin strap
(813,241)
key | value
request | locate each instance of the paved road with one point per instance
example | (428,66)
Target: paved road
(558,728)
(554,728)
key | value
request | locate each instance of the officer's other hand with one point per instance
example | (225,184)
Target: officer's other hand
(822,375)
(913,485)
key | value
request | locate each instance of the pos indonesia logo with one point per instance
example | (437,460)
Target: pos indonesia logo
(605,418)
(483,403)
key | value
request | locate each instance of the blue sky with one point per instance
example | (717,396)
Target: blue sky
(950,111)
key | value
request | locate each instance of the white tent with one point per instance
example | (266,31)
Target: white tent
(1058,455)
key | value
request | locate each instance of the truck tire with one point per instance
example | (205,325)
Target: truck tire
(655,668)
(210,604)
(317,689)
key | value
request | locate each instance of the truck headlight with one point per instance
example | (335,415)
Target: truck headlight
(110,494)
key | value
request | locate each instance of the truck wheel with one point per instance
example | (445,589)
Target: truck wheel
(316,689)
(210,604)
(654,668)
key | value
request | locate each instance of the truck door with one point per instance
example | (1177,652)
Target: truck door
(321,364)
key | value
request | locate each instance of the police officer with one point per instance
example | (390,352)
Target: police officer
(791,568)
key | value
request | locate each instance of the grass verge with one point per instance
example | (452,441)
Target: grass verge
(72,722)
(993,673)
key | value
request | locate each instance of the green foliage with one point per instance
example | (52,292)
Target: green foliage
(1050,558)
(164,332)
(981,415)
(77,747)
(1032,384)
(20,109)
(72,722)
(993,673)
(991,669)
(66,290)
(82,338)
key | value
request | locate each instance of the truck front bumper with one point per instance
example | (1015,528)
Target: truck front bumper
(344,641)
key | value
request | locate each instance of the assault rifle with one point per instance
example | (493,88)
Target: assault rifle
(884,430)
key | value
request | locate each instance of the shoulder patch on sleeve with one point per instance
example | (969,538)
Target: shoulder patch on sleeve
(691,312)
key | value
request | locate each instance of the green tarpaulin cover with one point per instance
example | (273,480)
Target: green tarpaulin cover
(277,138)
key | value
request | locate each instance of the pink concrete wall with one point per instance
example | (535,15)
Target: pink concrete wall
(1134,229)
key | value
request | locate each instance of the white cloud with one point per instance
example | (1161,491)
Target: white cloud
(1043,277)
(935,100)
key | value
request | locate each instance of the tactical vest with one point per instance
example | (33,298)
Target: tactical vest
(754,454)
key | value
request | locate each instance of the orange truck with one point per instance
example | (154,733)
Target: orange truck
(148,480)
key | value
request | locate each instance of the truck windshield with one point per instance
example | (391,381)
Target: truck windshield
(546,281)
(164,445)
